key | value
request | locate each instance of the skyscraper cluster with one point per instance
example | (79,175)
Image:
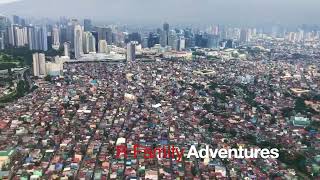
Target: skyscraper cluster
(85,38)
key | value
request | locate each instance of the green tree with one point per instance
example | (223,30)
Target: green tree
(194,171)
(48,78)
(21,88)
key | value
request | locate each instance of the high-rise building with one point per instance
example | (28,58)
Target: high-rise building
(16,19)
(165,35)
(35,64)
(96,37)
(153,39)
(11,35)
(42,64)
(38,38)
(131,52)
(78,46)
(300,35)
(244,35)
(63,34)
(41,41)
(88,42)
(85,42)
(166,27)
(39,64)
(182,43)
(173,40)
(44,40)
(292,36)
(31,38)
(109,36)
(66,49)
(103,48)
(70,29)
(3,22)
(18,36)
(55,38)
(134,37)
(212,41)
(163,38)
(87,25)
(92,43)
(1,40)
(102,33)
(144,42)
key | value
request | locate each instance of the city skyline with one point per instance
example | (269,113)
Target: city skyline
(246,12)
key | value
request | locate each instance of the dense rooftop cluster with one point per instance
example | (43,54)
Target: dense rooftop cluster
(70,127)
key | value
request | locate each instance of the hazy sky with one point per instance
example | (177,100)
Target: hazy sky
(239,12)
(6,1)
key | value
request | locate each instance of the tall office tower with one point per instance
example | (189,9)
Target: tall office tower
(1,40)
(31,38)
(102,33)
(131,52)
(39,64)
(66,49)
(215,30)
(166,27)
(4,23)
(70,34)
(78,46)
(109,36)
(35,64)
(163,38)
(63,34)
(134,37)
(212,41)
(92,43)
(44,40)
(103,48)
(88,42)
(42,64)
(85,42)
(249,34)
(144,42)
(244,35)
(16,19)
(153,39)
(182,43)
(55,38)
(166,30)
(173,40)
(11,35)
(41,41)
(70,31)
(87,25)
(38,36)
(22,22)
(96,37)
(300,35)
